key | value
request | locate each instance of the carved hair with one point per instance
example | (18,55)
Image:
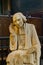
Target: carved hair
(19,14)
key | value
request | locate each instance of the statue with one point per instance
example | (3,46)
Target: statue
(24,42)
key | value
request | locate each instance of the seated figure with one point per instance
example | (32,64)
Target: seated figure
(24,42)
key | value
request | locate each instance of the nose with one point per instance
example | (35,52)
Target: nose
(17,22)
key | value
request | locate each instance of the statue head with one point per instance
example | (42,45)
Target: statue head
(19,19)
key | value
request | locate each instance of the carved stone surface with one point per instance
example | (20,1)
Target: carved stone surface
(24,42)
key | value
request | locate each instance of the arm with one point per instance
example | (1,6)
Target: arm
(13,38)
(36,42)
(36,47)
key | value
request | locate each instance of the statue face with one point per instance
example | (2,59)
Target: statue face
(18,21)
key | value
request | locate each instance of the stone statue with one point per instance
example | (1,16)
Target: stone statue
(24,42)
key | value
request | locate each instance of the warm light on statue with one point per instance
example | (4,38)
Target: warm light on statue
(24,42)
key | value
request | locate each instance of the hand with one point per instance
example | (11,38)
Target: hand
(31,50)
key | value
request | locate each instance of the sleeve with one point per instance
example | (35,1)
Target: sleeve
(13,39)
(35,41)
(11,29)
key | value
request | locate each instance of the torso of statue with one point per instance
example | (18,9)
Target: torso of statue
(21,38)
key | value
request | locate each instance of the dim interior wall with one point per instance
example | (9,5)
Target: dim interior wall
(26,6)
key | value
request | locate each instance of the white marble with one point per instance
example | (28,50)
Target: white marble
(24,42)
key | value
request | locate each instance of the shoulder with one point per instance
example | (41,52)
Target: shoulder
(30,25)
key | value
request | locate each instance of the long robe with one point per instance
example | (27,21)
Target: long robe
(31,48)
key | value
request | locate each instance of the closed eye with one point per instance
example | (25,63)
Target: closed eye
(18,19)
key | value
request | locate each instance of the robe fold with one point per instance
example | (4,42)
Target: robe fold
(30,49)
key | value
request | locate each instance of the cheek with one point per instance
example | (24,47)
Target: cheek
(17,22)
(21,23)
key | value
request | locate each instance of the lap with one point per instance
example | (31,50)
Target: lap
(18,57)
